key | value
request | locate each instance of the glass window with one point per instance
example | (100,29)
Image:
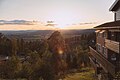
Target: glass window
(99,48)
(105,51)
(105,35)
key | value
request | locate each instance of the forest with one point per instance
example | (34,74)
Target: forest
(46,59)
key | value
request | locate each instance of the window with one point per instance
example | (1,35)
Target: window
(99,48)
(104,51)
(105,35)
(113,57)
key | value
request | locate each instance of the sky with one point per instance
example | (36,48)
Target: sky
(67,14)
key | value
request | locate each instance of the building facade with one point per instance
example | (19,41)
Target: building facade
(105,56)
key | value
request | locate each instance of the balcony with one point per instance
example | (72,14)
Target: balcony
(112,45)
(93,63)
(95,66)
(105,64)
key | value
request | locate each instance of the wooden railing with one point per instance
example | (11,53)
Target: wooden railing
(105,64)
(112,45)
(93,63)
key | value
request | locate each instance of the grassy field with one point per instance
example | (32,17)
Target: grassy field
(83,74)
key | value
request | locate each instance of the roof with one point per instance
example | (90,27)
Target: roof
(114,24)
(115,5)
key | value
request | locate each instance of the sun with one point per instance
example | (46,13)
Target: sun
(63,18)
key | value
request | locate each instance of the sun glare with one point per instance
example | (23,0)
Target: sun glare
(63,18)
(60,51)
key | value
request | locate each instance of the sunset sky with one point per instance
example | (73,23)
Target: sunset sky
(67,14)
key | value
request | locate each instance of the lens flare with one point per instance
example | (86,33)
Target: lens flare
(60,51)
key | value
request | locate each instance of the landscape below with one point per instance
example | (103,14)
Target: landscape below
(46,54)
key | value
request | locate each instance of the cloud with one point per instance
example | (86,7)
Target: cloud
(17,22)
(87,23)
(24,25)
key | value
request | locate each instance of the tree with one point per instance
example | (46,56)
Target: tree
(30,66)
(5,45)
(11,68)
(83,59)
(57,47)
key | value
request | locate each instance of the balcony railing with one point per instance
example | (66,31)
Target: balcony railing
(93,63)
(112,45)
(105,64)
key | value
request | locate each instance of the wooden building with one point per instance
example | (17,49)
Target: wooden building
(105,56)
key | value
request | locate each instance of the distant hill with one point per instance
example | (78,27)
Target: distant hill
(27,32)
(77,32)
(41,34)
(45,32)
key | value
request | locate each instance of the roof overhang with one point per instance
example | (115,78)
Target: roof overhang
(115,5)
(108,28)
(109,25)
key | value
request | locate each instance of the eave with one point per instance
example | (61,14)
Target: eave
(115,6)
(109,25)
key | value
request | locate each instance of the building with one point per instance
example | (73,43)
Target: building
(105,56)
